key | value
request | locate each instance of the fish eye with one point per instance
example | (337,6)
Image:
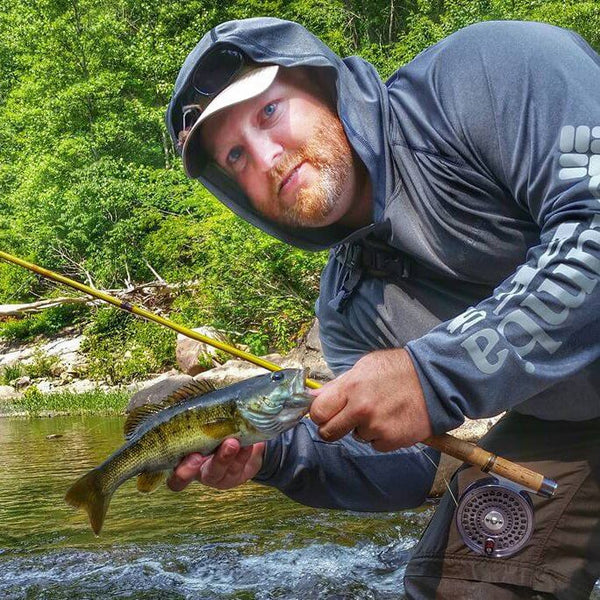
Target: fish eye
(277,376)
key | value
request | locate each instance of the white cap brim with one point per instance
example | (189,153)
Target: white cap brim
(252,83)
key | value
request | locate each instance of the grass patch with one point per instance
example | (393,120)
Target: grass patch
(42,365)
(9,373)
(121,348)
(49,322)
(35,403)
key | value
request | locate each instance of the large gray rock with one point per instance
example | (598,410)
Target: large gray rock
(308,354)
(13,356)
(22,382)
(231,372)
(65,349)
(162,386)
(67,352)
(45,386)
(474,429)
(470,431)
(158,390)
(80,386)
(194,357)
(8,393)
(446,469)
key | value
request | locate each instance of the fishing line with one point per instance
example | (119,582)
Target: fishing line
(446,482)
(464,451)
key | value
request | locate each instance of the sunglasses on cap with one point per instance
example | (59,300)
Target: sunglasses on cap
(212,74)
(216,70)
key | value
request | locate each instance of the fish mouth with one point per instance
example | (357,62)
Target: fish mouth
(297,389)
(298,404)
(300,400)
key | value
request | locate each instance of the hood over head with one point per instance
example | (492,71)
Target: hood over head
(360,96)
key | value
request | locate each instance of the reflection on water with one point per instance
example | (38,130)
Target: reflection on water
(249,543)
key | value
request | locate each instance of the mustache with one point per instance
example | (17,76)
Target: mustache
(279,172)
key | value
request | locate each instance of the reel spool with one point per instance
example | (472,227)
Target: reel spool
(493,519)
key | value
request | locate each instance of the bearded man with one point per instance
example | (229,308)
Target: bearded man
(461,201)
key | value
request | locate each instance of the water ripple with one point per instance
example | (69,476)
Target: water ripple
(250,543)
(213,571)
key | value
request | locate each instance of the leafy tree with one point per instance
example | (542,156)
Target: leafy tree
(91,186)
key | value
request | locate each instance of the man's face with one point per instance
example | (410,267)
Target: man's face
(287,150)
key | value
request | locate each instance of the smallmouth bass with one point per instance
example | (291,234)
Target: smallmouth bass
(195,418)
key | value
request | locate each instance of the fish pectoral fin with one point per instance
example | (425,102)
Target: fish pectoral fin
(219,429)
(148,482)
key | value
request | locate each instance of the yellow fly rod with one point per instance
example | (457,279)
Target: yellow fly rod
(459,449)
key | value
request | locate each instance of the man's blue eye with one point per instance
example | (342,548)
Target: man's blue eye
(234,154)
(269,109)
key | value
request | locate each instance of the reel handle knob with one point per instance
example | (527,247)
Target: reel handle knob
(489,547)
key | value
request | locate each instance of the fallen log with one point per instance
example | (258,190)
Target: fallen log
(19,311)
(144,293)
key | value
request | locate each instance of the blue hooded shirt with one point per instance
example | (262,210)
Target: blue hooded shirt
(484,159)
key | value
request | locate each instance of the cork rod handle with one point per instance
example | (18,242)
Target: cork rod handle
(491,463)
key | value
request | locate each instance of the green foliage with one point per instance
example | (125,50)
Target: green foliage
(91,186)
(9,373)
(35,403)
(257,341)
(121,348)
(47,323)
(14,281)
(41,365)
(249,281)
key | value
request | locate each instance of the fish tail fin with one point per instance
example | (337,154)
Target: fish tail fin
(89,493)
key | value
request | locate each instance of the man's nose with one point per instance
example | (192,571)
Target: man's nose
(265,152)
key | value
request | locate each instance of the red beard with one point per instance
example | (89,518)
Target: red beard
(329,152)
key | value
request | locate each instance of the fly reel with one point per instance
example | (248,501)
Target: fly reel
(495,519)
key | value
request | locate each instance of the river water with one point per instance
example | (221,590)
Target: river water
(248,543)
(251,543)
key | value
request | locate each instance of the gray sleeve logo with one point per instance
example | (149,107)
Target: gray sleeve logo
(571,271)
(580,155)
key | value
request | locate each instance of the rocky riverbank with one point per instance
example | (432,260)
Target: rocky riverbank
(55,366)
(63,360)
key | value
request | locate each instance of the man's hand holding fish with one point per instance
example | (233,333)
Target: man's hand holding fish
(230,466)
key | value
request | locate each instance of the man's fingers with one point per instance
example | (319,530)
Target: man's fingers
(220,463)
(228,467)
(234,474)
(185,471)
(337,427)
(329,402)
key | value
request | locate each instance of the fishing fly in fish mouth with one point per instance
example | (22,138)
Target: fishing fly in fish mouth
(195,418)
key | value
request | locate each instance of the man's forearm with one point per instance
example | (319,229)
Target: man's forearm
(346,474)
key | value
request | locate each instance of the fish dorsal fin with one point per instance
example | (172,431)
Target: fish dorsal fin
(187,391)
(140,414)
